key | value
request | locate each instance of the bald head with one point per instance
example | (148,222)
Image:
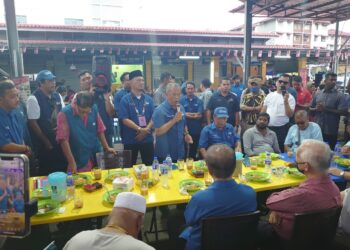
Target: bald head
(221,161)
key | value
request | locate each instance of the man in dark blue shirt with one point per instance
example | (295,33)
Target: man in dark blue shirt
(224,98)
(135,111)
(194,111)
(11,126)
(237,86)
(124,78)
(223,198)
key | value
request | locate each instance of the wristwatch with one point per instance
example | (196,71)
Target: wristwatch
(341,174)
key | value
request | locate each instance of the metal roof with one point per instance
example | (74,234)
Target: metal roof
(323,10)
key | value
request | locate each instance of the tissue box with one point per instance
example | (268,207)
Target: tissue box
(124,182)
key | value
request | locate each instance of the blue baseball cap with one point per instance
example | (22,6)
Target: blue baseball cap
(221,112)
(45,75)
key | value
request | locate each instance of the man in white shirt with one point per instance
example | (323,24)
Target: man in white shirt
(121,231)
(280,106)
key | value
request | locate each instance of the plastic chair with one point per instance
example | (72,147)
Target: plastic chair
(314,230)
(122,159)
(234,232)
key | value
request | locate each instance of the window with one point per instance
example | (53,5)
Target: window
(96,21)
(110,23)
(21,19)
(288,36)
(298,27)
(307,26)
(323,39)
(306,39)
(317,26)
(73,21)
(315,38)
(297,39)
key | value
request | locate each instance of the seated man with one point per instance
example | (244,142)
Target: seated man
(260,138)
(79,126)
(223,198)
(301,130)
(218,132)
(121,231)
(317,192)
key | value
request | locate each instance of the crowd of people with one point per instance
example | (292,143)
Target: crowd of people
(251,118)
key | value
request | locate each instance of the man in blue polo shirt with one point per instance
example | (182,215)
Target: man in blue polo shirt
(194,111)
(124,78)
(11,128)
(219,132)
(135,112)
(223,198)
(236,86)
(170,126)
(224,98)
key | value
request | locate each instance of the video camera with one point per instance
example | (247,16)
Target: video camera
(102,72)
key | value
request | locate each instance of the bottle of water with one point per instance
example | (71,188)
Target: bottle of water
(337,149)
(70,186)
(164,177)
(268,162)
(155,169)
(169,163)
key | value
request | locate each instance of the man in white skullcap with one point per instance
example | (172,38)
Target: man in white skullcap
(121,231)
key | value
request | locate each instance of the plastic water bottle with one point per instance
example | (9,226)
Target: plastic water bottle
(70,186)
(337,149)
(268,162)
(164,177)
(169,163)
(155,169)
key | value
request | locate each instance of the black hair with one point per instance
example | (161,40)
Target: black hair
(165,76)
(123,76)
(191,83)
(235,77)
(206,83)
(221,160)
(4,86)
(266,115)
(224,78)
(85,99)
(61,89)
(330,74)
(83,72)
(297,79)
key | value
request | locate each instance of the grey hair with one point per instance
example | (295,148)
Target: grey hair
(171,86)
(316,153)
(301,113)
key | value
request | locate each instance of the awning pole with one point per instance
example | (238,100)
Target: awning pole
(247,39)
(335,52)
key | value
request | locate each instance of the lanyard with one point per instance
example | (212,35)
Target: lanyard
(136,110)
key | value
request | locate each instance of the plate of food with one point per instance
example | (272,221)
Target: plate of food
(81,179)
(47,207)
(294,172)
(111,195)
(343,162)
(112,174)
(258,176)
(190,186)
(41,193)
(274,156)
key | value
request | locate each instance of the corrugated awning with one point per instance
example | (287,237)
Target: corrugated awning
(323,10)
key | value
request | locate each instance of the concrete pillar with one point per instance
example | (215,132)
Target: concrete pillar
(215,71)
(263,70)
(148,73)
(229,68)
(190,70)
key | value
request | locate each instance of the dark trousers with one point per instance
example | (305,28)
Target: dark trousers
(176,224)
(267,237)
(281,133)
(331,139)
(146,151)
(193,147)
(51,160)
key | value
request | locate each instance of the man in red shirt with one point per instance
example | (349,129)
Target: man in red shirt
(316,193)
(303,95)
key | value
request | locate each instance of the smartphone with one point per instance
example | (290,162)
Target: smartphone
(283,90)
(14,194)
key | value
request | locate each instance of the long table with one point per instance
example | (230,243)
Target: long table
(157,195)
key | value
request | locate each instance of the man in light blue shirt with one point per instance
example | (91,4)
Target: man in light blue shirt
(303,129)
(236,86)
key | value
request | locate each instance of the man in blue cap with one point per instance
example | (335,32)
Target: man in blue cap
(219,132)
(43,107)
(135,112)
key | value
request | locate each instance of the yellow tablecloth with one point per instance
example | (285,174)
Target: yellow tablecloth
(157,196)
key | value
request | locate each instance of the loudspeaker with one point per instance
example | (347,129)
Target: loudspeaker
(102,71)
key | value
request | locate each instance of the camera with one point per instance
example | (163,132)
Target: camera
(283,89)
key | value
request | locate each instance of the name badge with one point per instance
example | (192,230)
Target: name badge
(142,121)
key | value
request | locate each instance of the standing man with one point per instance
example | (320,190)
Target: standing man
(224,98)
(304,97)
(170,126)
(79,127)
(206,92)
(124,78)
(135,112)
(259,138)
(159,95)
(219,132)
(237,86)
(42,110)
(11,128)
(280,106)
(328,105)
(194,112)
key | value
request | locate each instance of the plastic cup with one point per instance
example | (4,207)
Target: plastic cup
(144,187)
(189,164)
(78,201)
(97,173)
(181,164)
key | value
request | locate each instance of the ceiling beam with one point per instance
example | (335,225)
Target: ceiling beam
(294,6)
(312,8)
(268,6)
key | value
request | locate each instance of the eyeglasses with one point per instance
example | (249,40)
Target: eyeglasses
(284,82)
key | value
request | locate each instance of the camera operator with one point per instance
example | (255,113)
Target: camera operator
(280,106)
(102,98)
